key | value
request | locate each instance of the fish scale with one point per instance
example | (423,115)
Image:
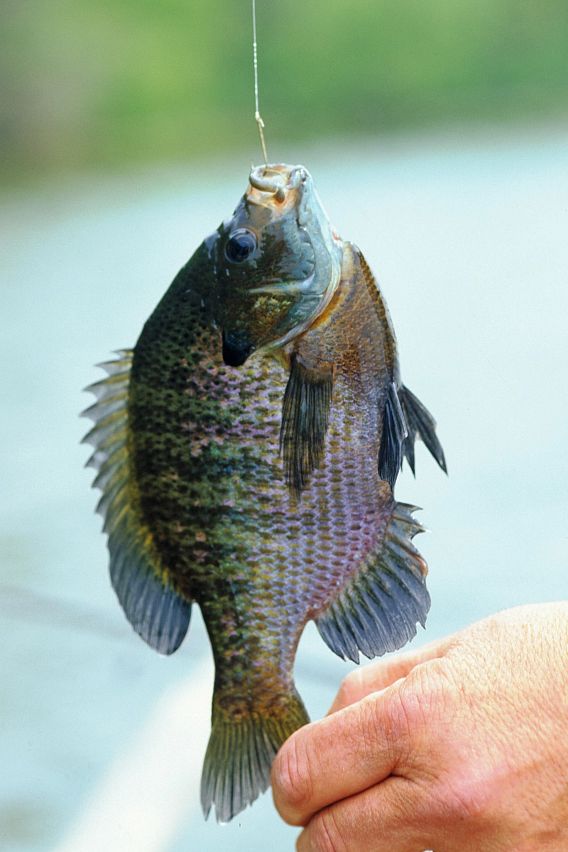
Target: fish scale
(247,450)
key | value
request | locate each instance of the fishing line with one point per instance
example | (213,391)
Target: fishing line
(257,116)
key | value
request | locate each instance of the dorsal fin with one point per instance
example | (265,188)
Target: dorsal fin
(305,418)
(155,609)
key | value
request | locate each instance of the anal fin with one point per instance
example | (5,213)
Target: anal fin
(379,608)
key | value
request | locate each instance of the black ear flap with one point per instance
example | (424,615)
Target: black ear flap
(395,431)
(305,418)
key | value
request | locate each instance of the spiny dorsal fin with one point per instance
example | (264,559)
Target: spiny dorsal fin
(153,607)
(378,609)
(305,418)
(393,437)
(420,423)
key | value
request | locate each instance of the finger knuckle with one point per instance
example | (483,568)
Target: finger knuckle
(349,688)
(428,692)
(291,777)
(368,722)
(324,833)
(400,715)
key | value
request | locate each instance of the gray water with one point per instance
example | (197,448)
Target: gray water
(469,239)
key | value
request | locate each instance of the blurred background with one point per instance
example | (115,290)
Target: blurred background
(437,134)
(118,83)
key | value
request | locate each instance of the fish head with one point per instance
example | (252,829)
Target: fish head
(277,263)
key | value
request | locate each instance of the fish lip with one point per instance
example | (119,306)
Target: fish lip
(276,178)
(273,185)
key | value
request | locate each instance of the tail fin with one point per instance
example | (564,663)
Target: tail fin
(240,753)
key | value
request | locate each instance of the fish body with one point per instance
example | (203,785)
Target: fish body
(247,450)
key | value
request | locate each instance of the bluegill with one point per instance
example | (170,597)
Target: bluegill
(247,450)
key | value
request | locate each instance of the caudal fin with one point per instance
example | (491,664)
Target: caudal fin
(239,755)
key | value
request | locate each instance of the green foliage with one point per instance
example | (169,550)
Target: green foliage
(94,82)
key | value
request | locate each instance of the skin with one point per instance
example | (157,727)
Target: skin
(462,745)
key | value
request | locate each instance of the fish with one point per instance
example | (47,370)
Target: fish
(247,450)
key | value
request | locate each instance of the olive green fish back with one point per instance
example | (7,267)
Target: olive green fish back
(141,581)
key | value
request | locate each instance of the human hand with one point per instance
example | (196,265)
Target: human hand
(461,745)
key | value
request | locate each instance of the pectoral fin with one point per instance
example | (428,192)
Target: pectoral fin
(305,418)
(157,612)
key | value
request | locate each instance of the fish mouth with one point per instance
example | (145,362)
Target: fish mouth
(277,180)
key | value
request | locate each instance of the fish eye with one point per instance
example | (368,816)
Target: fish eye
(240,245)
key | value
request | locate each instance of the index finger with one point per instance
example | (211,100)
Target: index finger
(339,756)
(382,673)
